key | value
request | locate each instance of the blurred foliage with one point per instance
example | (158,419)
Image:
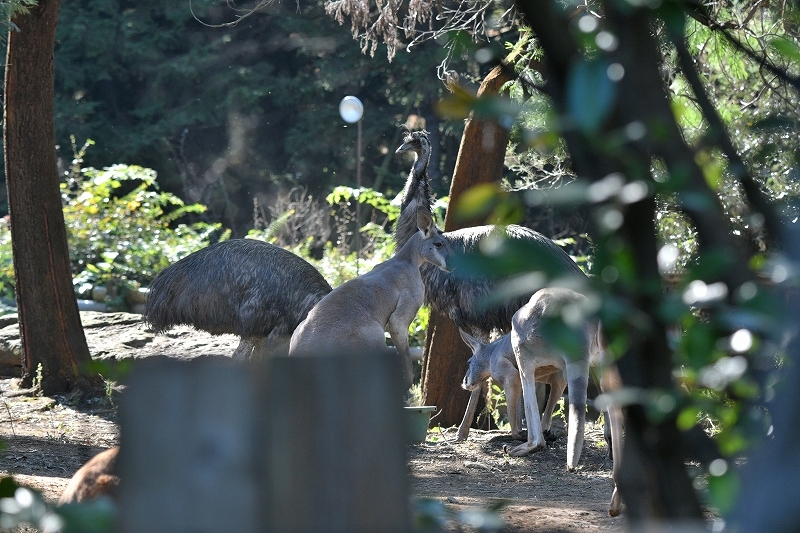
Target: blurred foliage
(726,341)
(21,506)
(433,515)
(759,110)
(228,113)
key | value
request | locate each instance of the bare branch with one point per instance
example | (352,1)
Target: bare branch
(262,4)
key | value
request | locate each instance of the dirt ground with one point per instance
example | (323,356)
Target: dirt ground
(536,492)
(47,439)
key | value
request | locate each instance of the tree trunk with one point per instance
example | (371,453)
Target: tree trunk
(480,160)
(50,326)
(652,479)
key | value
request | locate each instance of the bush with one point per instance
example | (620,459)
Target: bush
(339,261)
(127,236)
(119,227)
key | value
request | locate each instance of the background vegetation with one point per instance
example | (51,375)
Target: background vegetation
(228,116)
(242,120)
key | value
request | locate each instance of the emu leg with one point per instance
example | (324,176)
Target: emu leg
(245,349)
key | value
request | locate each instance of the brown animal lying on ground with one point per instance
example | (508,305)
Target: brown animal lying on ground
(98,477)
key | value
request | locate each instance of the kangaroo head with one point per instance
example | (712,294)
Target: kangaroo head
(434,249)
(478,369)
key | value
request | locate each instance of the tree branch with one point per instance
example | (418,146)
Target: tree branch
(699,13)
(719,134)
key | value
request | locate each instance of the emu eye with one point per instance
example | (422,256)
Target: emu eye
(437,244)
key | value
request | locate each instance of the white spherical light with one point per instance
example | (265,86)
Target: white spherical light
(351,109)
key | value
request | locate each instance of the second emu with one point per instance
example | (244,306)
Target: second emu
(246,287)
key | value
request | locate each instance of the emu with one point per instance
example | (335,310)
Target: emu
(459,297)
(355,315)
(533,353)
(497,360)
(250,288)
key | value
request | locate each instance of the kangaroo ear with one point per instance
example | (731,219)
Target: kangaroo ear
(424,221)
(471,341)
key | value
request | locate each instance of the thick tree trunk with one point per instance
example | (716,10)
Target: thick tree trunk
(653,478)
(50,325)
(480,160)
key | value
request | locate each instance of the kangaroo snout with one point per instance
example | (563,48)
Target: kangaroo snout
(469,382)
(466,385)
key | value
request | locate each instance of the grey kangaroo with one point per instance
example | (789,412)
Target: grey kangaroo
(533,352)
(355,315)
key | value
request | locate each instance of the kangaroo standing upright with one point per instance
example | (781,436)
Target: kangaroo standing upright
(533,352)
(355,315)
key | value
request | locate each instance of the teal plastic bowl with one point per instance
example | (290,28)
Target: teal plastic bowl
(417,420)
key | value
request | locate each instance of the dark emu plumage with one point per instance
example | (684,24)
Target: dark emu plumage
(246,287)
(463,298)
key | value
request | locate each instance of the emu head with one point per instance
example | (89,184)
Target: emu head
(478,370)
(417,142)
(434,248)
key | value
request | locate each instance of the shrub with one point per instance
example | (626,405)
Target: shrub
(127,236)
(339,262)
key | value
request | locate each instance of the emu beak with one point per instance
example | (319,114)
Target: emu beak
(403,148)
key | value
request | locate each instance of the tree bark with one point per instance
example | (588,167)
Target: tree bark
(50,326)
(480,160)
(653,478)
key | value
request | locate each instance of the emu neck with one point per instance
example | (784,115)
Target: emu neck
(417,187)
(415,194)
(421,162)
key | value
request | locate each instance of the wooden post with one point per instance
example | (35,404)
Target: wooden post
(336,458)
(188,449)
(311,444)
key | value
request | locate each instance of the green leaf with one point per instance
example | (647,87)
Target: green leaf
(687,418)
(7,487)
(786,48)
(96,516)
(457,106)
(590,93)
(723,490)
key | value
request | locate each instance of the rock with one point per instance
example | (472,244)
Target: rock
(123,335)
(91,305)
(94,319)
(119,336)
(10,350)
(8,319)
